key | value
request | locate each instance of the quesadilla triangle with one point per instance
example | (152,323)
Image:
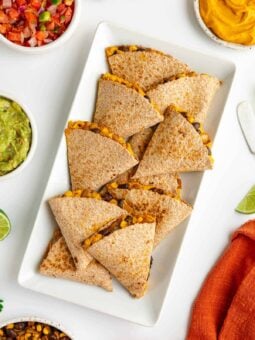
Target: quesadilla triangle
(120,102)
(58,262)
(169,183)
(143,66)
(168,211)
(96,155)
(78,218)
(126,253)
(176,146)
(138,143)
(192,92)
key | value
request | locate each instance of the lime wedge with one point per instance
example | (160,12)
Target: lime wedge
(5,225)
(247,205)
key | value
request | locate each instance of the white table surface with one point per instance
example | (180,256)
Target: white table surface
(55,76)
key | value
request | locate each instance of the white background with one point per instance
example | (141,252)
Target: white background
(47,85)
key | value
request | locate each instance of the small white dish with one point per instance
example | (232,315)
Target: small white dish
(56,43)
(119,303)
(36,319)
(214,37)
(34,137)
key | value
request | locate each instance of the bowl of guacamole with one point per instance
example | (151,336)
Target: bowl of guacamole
(17,136)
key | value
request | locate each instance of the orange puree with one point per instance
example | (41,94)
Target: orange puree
(230,20)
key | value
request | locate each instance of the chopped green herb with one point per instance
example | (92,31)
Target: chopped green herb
(56,2)
(1,305)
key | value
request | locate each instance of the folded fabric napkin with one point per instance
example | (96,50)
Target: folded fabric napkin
(225,306)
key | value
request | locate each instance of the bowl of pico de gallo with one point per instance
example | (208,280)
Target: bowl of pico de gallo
(37,25)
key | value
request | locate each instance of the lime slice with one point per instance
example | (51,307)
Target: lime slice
(5,225)
(247,205)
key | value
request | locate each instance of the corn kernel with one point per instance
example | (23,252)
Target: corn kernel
(46,330)
(68,194)
(113,201)
(123,224)
(113,185)
(133,48)
(39,328)
(10,326)
(105,131)
(87,243)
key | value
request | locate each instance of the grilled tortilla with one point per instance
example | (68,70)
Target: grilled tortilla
(126,253)
(58,262)
(119,103)
(78,218)
(166,183)
(169,212)
(143,66)
(193,93)
(176,146)
(96,155)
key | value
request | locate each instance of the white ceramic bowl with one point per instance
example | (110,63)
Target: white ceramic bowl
(56,43)
(213,36)
(35,319)
(34,137)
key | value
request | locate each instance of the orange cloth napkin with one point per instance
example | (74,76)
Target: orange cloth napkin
(225,306)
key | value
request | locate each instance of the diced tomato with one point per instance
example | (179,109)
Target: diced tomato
(4,28)
(41,35)
(20,23)
(14,36)
(21,2)
(36,4)
(68,14)
(31,17)
(61,8)
(50,26)
(3,18)
(13,14)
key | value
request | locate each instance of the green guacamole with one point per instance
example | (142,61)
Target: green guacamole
(15,135)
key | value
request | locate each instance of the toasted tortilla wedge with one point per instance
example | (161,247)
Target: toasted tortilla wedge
(80,217)
(143,66)
(140,141)
(118,104)
(58,262)
(166,183)
(94,159)
(176,146)
(169,212)
(126,253)
(191,93)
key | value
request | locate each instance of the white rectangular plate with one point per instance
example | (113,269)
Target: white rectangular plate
(145,311)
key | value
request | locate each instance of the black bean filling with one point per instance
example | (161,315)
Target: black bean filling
(196,126)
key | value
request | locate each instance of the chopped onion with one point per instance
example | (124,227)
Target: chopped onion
(52,9)
(22,38)
(32,42)
(27,33)
(7,3)
(47,41)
